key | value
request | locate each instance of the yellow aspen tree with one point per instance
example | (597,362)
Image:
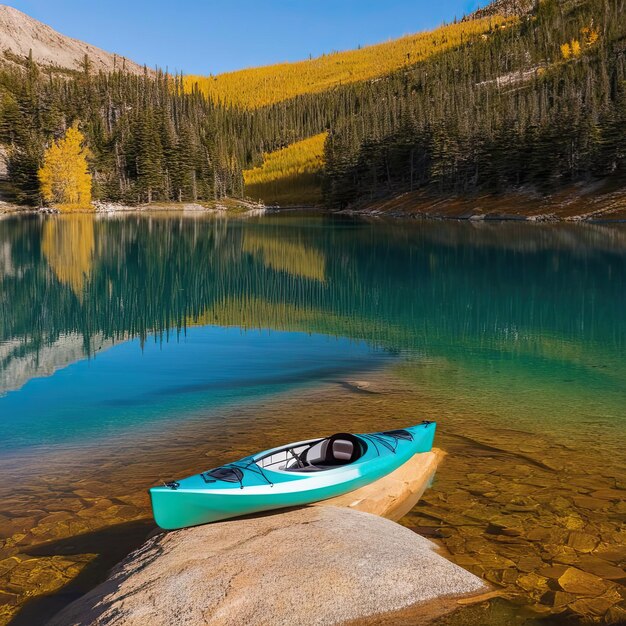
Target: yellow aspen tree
(566,50)
(65,179)
(575,46)
(590,35)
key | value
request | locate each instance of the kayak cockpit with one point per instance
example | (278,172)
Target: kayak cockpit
(316,455)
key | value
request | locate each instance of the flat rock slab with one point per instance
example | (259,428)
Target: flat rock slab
(394,495)
(315,565)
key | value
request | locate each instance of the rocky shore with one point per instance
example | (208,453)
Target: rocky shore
(230,206)
(340,561)
(572,205)
(575,204)
(226,205)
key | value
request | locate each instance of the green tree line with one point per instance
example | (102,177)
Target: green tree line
(519,110)
(148,140)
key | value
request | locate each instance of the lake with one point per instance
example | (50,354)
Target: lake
(144,347)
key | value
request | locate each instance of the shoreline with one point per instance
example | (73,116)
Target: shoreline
(226,206)
(571,205)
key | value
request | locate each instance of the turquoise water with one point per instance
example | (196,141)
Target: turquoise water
(134,383)
(108,324)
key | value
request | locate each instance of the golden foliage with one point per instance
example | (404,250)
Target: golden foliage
(256,87)
(286,256)
(64,178)
(574,48)
(590,35)
(290,175)
(68,244)
(566,50)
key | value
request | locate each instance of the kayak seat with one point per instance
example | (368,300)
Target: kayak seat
(316,453)
(340,449)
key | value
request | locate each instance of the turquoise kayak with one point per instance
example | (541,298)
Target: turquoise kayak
(292,475)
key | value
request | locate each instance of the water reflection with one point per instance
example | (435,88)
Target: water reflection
(283,255)
(548,293)
(67,243)
(531,309)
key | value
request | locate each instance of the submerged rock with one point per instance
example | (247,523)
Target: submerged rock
(557,599)
(574,580)
(582,542)
(615,615)
(316,565)
(603,569)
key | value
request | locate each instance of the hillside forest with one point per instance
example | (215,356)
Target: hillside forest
(488,105)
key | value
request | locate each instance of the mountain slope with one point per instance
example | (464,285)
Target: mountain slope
(20,34)
(292,175)
(261,86)
(506,8)
(537,108)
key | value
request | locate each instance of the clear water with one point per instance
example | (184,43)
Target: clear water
(134,383)
(162,332)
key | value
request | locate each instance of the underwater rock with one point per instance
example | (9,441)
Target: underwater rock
(615,554)
(587,502)
(574,580)
(8,598)
(561,554)
(582,542)
(615,615)
(533,583)
(557,599)
(529,563)
(553,571)
(615,495)
(495,528)
(591,606)
(502,577)
(600,567)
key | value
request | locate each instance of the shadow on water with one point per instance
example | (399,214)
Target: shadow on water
(110,545)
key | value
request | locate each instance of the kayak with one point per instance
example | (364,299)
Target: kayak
(291,475)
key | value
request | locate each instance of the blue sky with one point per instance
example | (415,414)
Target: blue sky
(211,36)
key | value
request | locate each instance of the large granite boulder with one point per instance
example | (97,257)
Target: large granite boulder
(315,565)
